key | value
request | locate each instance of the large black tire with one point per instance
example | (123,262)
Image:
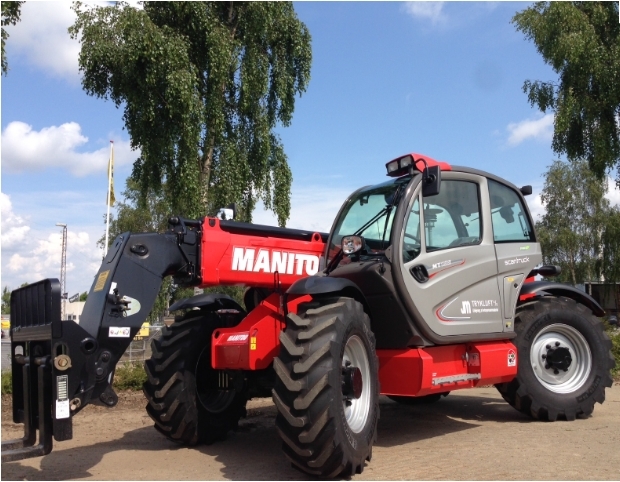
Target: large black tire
(579,371)
(322,432)
(182,390)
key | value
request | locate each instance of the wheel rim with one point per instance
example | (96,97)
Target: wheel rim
(567,375)
(209,395)
(356,410)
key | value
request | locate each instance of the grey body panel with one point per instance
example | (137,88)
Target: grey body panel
(469,294)
(462,295)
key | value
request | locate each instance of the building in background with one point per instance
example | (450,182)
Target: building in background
(73,311)
(606,294)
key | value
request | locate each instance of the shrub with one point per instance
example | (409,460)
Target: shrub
(7,383)
(615,349)
(129,376)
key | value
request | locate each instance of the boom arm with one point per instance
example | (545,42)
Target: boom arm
(59,366)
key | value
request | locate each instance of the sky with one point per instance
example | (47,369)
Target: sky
(388,78)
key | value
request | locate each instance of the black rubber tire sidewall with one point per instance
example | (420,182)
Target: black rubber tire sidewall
(190,422)
(533,395)
(339,450)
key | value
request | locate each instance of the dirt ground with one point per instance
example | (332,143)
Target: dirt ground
(470,435)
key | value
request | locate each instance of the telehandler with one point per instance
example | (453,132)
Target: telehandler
(426,284)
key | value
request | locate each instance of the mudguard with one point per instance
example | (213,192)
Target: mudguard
(541,288)
(323,285)
(200,301)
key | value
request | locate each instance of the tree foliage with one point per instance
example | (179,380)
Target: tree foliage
(6,300)
(11,11)
(581,41)
(577,231)
(203,86)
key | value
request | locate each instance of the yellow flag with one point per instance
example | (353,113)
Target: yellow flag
(111,174)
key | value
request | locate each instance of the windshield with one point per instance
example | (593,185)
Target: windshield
(369,213)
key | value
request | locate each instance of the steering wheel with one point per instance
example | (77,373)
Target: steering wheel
(411,236)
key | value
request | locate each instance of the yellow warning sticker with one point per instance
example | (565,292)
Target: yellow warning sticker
(103,276)
(253,343)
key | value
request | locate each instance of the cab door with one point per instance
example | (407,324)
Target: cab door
(449,263)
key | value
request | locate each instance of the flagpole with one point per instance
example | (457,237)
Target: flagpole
(107,223)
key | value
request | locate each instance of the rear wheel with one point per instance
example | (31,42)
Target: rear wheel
(327,388)
(185,395)
(564,360)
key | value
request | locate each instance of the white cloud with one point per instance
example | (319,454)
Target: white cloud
(613,193)
(535,205)
(313,208)
(427,11)
(14,230)
(31,249)
(541,128)
(41,37)
(24,149)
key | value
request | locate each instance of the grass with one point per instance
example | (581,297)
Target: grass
(615,350)
(129,376)
(7,387)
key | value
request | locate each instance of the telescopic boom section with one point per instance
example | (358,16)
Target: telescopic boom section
(262,256)
(59,366)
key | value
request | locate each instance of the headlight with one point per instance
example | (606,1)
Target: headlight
(352,244)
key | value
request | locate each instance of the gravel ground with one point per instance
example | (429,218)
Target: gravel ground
(470,435)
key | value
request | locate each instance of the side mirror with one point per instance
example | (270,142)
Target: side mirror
(431,181)
(227,213)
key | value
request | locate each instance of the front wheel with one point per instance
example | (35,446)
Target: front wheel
(327,389)
(564,360)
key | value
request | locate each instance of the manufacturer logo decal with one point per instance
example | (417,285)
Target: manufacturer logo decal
(510,262)
(467,308)
(266,261)
(444,265)
(237,337)
(524,248)
(119,332)
(512,358)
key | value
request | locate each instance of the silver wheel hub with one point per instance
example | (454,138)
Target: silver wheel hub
(561,359)
(356,384)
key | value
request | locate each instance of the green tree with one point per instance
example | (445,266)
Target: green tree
(581,41)
(571,230)
(610,259)
(83,296)
(6,301)
(11,11)
(203,85)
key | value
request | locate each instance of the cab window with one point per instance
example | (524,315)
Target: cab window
(510,223)
(452,217)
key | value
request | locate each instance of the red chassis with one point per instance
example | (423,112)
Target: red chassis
(260,260)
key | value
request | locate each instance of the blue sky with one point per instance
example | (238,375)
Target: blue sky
(442,79)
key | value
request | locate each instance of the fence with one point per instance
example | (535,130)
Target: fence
(139,349)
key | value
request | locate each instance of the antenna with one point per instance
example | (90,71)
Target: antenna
(63,270)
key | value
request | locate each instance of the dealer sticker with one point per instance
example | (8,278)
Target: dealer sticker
(62,409)
(119,332)
(512,358)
